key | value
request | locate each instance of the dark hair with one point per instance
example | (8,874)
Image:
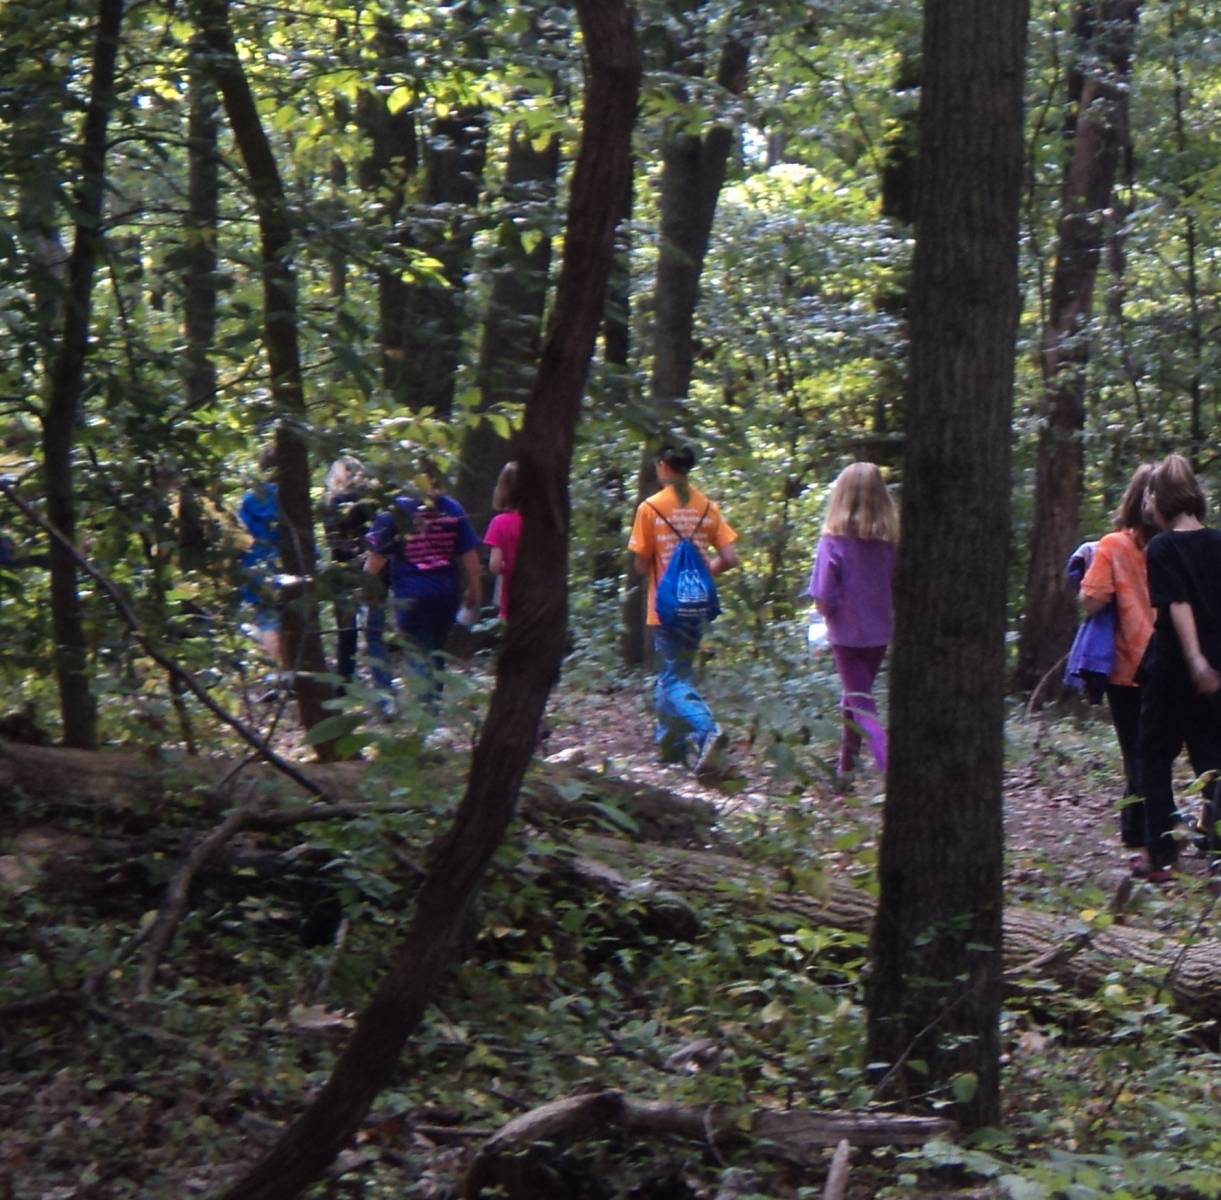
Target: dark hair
(677,456)
(505,496)
(1174,490)
(1131,513)
(267,457)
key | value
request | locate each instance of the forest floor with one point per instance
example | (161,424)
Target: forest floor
(1062,786)
(90,1117)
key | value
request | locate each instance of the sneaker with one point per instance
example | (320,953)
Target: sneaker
(710,761)
(1142,868)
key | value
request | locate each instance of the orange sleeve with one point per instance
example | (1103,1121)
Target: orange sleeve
(642,539)
(1099,581)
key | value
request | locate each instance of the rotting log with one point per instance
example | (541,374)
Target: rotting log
(140,785)
(1189,969)
(795,1135)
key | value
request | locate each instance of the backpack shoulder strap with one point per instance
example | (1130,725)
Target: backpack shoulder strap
(691,535)
(667,520)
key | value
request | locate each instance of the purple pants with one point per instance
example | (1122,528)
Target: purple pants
(858,668)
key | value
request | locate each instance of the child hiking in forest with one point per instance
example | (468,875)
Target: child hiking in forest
(348,511)
(851,586)
(1181,693)
(259,513)
(1117,575)
(504,534)
(426,542)
(687,732)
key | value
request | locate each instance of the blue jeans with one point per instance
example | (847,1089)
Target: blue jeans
(348,617)
(681,710)
(425,621)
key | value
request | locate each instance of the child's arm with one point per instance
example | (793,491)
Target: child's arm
(1205,677)
(470,569)
(726,559)
(496,561)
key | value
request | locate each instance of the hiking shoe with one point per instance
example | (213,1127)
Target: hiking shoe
(1142,868)
(710,761)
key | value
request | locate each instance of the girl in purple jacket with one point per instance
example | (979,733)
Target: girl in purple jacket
(851,587)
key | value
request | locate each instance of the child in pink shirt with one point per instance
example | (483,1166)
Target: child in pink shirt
(504,533)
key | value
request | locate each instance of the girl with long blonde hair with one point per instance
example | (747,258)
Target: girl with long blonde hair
(851,586)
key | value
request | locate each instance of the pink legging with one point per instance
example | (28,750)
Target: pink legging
(858,668)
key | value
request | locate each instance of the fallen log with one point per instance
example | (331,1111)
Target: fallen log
(795,1135)
(1188,970)
(140,786)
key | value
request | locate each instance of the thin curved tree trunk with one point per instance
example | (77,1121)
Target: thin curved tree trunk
(534,643)
(298,551)
(935,991)
(1100,134)
(78,707)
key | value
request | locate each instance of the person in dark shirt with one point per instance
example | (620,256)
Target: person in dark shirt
(348,510)
(431,550)
(1181,695)
(259,513)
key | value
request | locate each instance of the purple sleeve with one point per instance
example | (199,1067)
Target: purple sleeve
(382,535)
(824,579)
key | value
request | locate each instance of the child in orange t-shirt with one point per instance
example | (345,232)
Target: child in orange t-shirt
(1118,575)
(685,724)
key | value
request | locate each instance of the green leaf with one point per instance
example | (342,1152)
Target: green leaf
(965,1086)
(330,728)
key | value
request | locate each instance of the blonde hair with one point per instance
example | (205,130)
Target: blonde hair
(860,506)
(347,474)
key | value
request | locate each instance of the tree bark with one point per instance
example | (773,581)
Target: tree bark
(423,320)
(298,552)
(534,642)
(512,325)
(1100,132)
(202,221)
(935,991)
(78,707)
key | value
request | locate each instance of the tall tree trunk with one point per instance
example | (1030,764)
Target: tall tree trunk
(392,161)
(303,642)
(423,321)
(202,223)
(1099,133)
(512,326)
(898,186)
(1191,240)
(78,708)
(934,995)
(534,644)
(693,172)
(430,322)
(609,558)
(199,302)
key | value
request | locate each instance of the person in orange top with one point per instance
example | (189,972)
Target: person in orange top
(684,721)
(1118,575)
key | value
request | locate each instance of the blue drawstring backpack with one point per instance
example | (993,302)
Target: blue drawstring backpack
(686,593)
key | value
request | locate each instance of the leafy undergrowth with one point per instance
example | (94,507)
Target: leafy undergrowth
(115,1097)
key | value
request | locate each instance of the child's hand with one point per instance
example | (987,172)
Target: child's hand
(1206,678)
